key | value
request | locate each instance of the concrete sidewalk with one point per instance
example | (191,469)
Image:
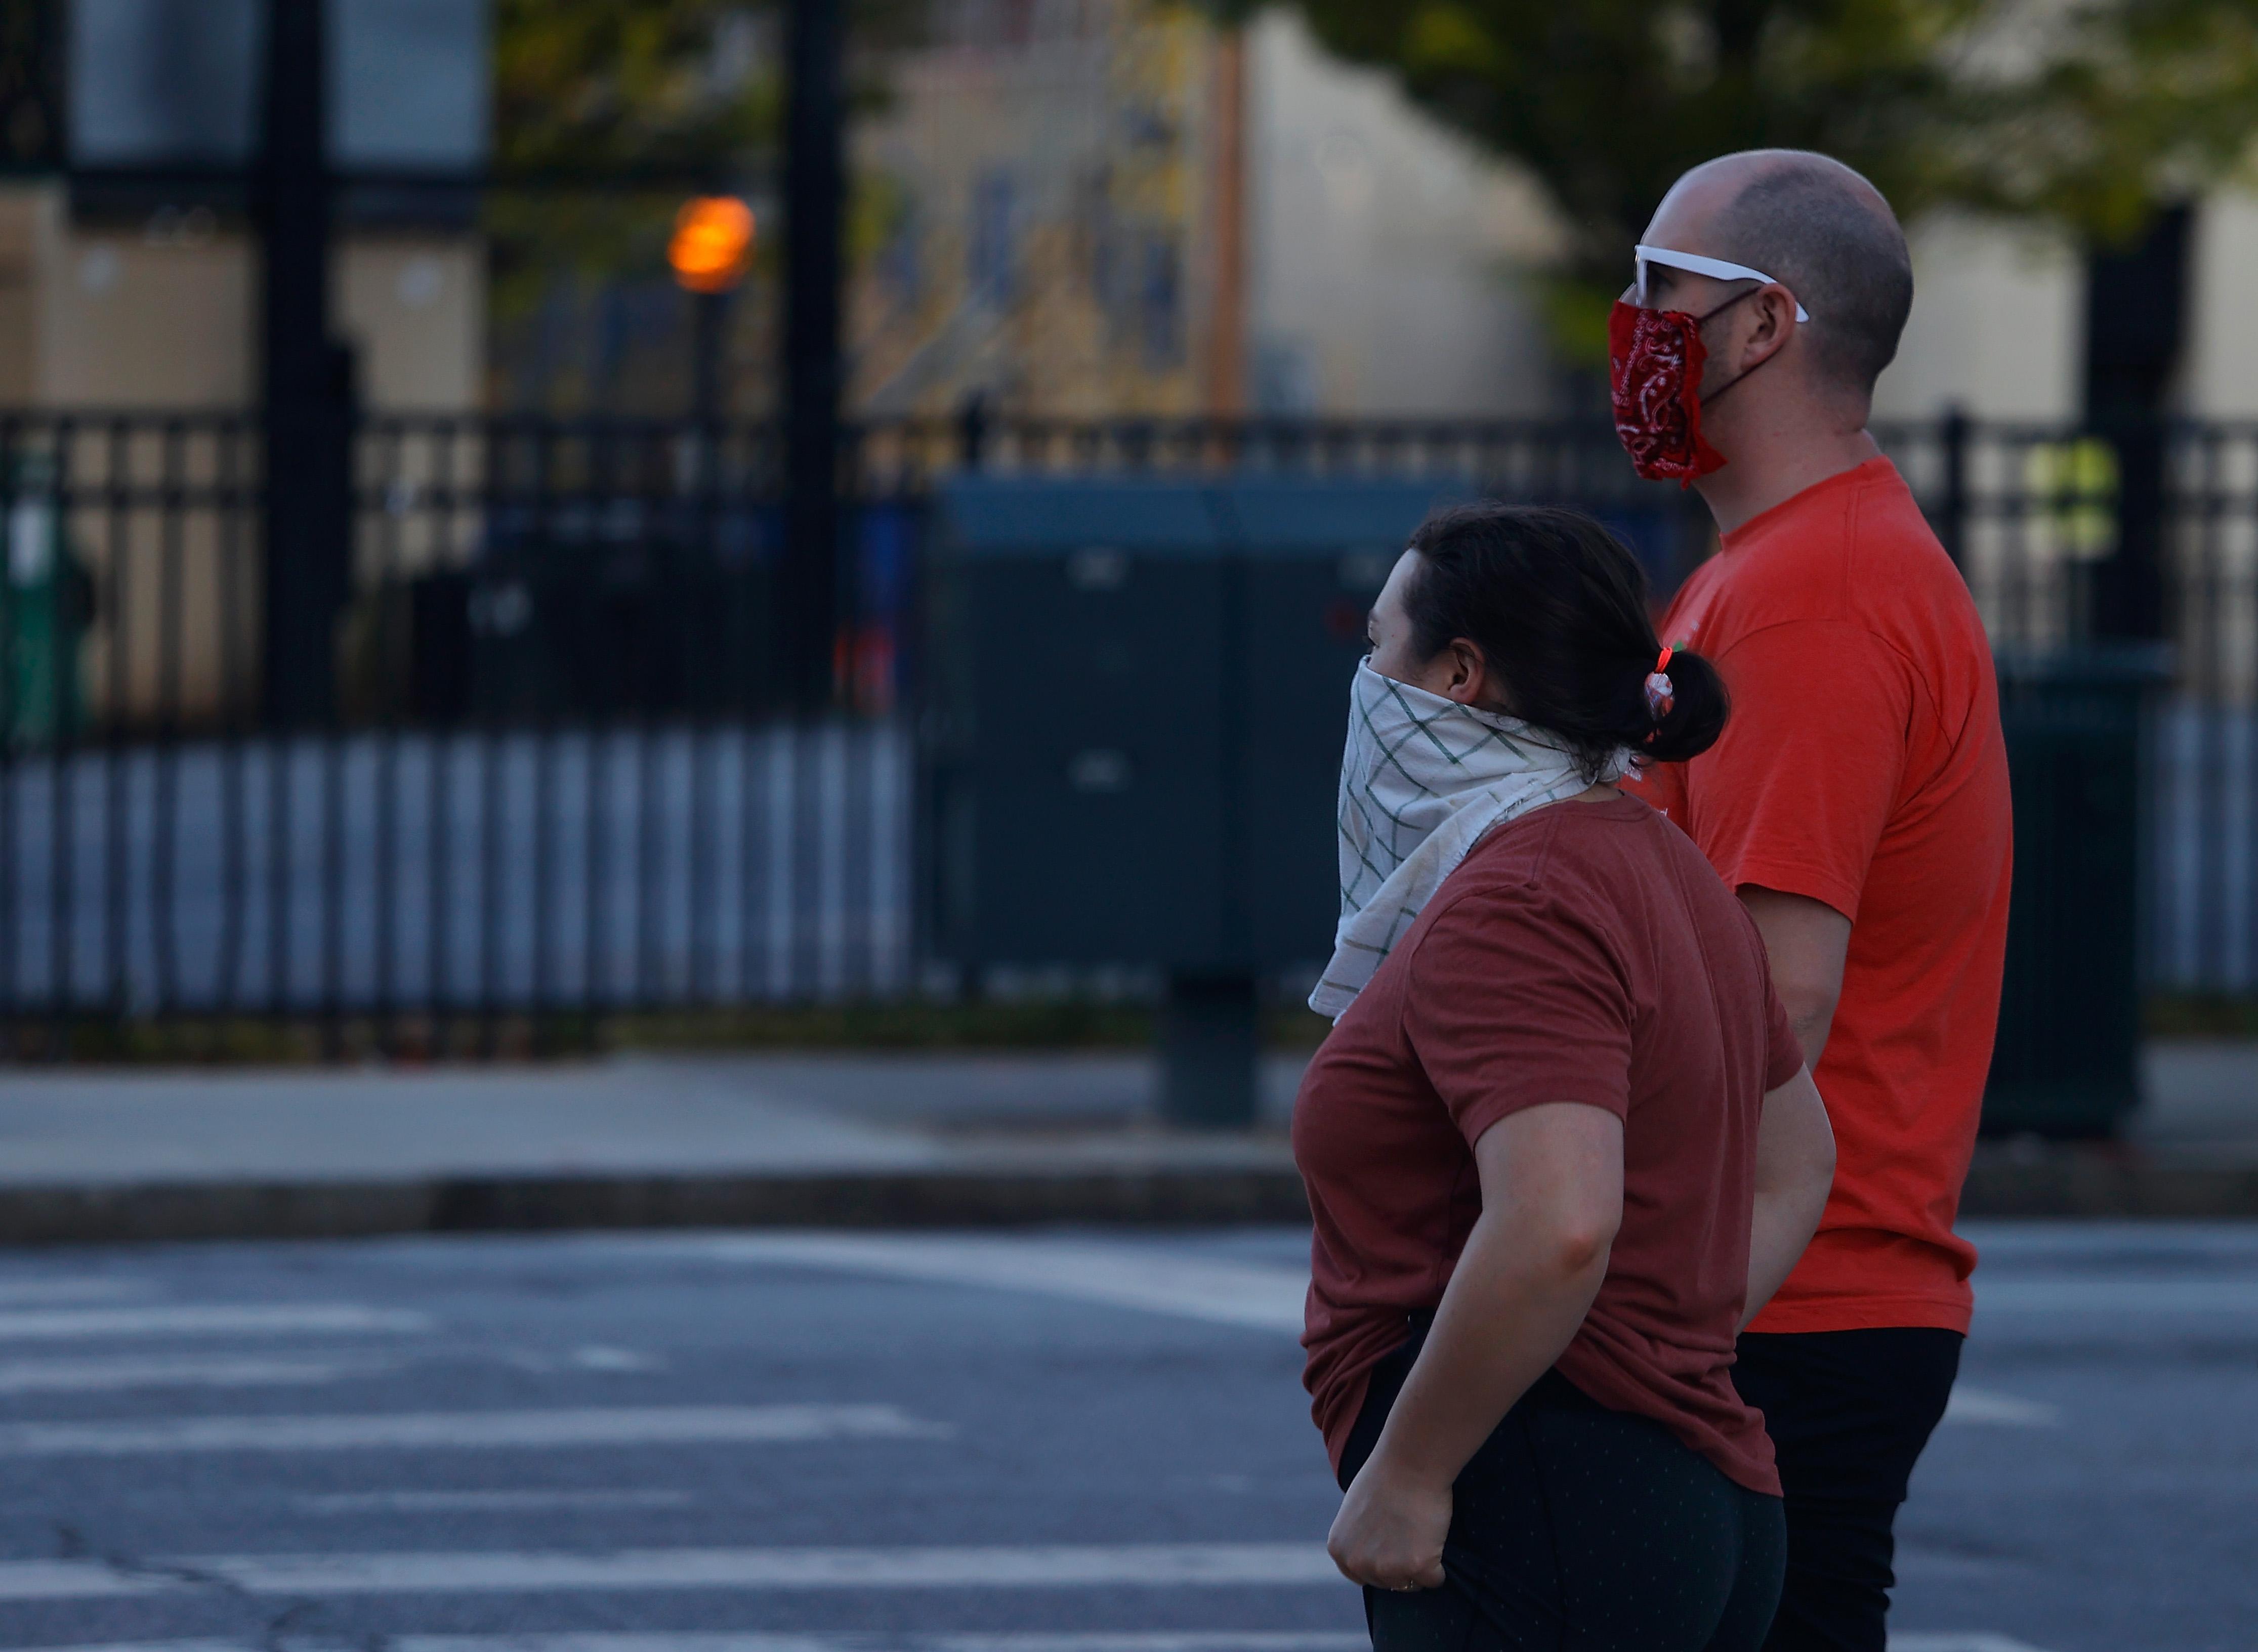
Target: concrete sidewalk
(632,1141)
(862,1140)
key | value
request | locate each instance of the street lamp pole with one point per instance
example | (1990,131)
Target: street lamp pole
(815,178)
(307,378)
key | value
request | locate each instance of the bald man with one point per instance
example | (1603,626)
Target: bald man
(1858,802)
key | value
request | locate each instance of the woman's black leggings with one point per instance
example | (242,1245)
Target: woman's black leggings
(1576,1528)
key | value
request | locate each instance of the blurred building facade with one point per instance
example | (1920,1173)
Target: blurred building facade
(156,308)
(128,275)
(1112,208)
(1072,209)
(2003,326)
(1393,262)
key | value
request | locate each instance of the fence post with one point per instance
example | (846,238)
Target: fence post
(1952,514)
(814,186)
(309,389)
(2129,583)
(972,430)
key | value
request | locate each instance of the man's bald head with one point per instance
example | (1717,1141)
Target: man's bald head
(1825,233)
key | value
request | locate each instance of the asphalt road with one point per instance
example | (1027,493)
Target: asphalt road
(1059,1443)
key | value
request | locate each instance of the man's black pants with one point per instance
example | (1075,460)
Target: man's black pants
(1849,1412)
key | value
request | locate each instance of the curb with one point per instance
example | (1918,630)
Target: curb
(2105,1181)
(1203,1197)
(2008,1180)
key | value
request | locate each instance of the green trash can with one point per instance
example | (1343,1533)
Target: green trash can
(2066,1061)
(46,603)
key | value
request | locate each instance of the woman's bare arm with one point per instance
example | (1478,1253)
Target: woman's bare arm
(1795,1168)
(1552,1185)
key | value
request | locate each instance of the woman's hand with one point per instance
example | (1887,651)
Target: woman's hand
(1390,1529)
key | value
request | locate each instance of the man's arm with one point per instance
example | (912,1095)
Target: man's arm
(1808,941)
(1796,1169)
(1552,1188)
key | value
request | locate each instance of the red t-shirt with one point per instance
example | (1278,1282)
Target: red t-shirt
(1584,952)
(1863,767)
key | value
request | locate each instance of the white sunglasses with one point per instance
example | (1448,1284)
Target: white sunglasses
(1694,264)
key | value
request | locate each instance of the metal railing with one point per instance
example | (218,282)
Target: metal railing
(558,775)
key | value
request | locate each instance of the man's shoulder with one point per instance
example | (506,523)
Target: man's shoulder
(1859,556)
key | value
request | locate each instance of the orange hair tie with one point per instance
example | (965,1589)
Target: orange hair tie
(1661,692)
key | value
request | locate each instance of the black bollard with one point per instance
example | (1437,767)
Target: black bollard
(1210,1049)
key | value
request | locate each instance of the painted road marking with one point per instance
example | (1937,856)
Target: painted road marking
(208,1320)
(1165,1565)
(95,1288)
(458,1430)
(2003,1410)
(176,1371)
(1271,1298)
(77,1580)
(1119,1276)
(1163,1640)
(513,1502)
(2116,1297)
(625,1360)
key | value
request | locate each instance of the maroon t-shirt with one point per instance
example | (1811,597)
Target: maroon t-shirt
(1584,952)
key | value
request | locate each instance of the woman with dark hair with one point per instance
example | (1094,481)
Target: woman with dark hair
(1561,1143)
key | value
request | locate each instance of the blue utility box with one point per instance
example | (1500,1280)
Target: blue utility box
(1142,694)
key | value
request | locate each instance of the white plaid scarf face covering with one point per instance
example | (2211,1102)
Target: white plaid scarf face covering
(1423,778)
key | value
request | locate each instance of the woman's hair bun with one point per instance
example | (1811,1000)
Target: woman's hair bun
(1697,709)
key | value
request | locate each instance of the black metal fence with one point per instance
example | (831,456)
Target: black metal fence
(558,775)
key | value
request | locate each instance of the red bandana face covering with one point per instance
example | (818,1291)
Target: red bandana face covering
(1655,358)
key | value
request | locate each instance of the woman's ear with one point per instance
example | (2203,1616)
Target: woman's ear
(1469,683)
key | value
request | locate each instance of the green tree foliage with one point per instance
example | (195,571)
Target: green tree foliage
(2086,113)
(618,90)
(606,114)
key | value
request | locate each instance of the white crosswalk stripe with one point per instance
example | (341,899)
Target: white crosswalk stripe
(472,1430)
(90,1288)
(175,1371)
(2004,1410)
(1117,1276)
(2116,1297)
(1158,1641)
(1173,1565)
(527,1502)
(1162,1641)
(211,1319)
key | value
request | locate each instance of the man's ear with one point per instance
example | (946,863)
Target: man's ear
(1772,324)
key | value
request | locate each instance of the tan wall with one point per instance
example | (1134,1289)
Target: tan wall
(415,307)
(18,243)
(2218,369)
(121,321)
(159,317)
(1997,325)
(1999,320)
(1390,257)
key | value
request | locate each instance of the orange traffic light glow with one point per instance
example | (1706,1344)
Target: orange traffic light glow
(712,243)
